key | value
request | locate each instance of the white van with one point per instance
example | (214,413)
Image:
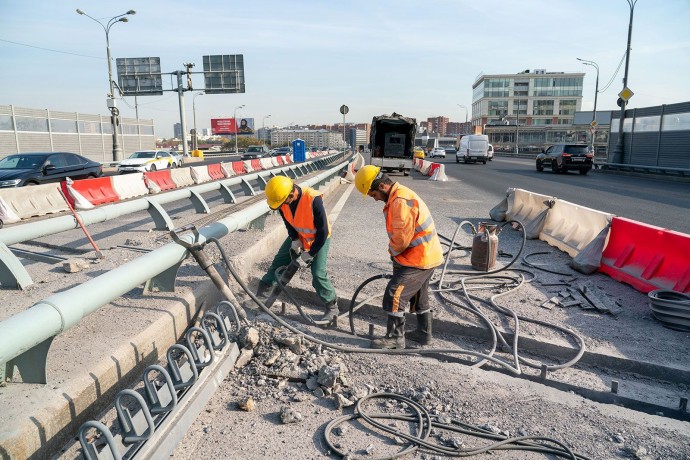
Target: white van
(473,148)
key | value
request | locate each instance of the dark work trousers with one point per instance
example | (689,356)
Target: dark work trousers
(319,277)
(408,285)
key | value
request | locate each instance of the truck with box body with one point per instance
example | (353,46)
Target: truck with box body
(392,142)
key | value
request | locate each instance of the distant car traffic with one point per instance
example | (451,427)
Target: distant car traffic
(438,152)
(450,150)
(42,167)
(254,152)
(147,160)
(418,153)
(563,157)
(283,151)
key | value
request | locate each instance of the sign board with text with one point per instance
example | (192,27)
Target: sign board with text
(230,126)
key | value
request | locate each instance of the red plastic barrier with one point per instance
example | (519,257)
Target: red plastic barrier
(238,167)
(647,257)
(256,165)
(288,159)
(215,171)
(97,191)
(161,178)
(65,192)
(280,160)
(434,167)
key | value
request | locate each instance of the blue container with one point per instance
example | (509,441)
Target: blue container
(299,151)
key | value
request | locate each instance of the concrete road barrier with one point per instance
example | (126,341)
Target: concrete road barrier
(182,177)
(571,227)
(34,200)
(200,174)
(129,185)
(530,209)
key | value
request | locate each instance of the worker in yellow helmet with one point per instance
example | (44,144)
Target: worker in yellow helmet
(415,250)
(308,239)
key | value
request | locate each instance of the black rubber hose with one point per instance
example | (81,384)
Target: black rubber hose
(352,308)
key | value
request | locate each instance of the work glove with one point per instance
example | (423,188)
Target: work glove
(295,249)
(305,259)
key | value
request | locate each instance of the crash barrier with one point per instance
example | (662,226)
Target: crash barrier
(215,171)
(280,160)
(424,167)
(200,174)
(571,227)
(530,209)
(182,177)
(647,257)
(30,201)
(129,185)
(248,166)
(256,165)
(169,393)
(162,179)
(24,336)
(227,169)
(14,276)
(97,191)
(288,159)
(238,167)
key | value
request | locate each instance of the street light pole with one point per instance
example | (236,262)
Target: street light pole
(263,127)
(618,150)
(112,104)
(237,128)
(195,139)
(596,93)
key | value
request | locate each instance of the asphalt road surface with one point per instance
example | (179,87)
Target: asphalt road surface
(659,202)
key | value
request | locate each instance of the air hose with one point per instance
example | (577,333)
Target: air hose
(425,423)
(344,349)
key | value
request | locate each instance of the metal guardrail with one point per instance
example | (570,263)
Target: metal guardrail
(25,338)
(661,170)
(14,275)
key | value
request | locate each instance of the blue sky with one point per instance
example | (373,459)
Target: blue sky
(304,59)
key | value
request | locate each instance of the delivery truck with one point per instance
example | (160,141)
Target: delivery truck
(392,142)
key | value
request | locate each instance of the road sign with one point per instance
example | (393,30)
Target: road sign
(593,124)
(344,109)
(626,94)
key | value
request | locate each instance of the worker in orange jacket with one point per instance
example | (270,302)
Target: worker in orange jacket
(308,238)
(415,250)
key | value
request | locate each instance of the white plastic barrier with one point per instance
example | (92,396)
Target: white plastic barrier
(274,162)
(530,209)
(182,177)
(571,227)
(129,185)
(266,163)
(424,168)
(200,174)
(439,174)
(31,201)
(248,166)
(227,169)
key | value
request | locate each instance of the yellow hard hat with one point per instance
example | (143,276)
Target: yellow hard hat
(364,178)
(277,191)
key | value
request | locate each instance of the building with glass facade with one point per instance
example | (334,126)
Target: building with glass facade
(527,98)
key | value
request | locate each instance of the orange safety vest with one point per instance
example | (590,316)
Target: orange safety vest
(303,220)
(412,222)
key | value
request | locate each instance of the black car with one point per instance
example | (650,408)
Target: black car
(39,168)
(254,152)
(563,157)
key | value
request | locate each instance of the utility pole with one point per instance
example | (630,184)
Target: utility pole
(618,150)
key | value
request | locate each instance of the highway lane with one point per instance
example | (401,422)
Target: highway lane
(663,203)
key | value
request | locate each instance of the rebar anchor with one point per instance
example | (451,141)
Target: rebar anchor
(197,251)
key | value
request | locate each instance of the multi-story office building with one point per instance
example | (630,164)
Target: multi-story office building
(527,98)
(318,138)
(177,130)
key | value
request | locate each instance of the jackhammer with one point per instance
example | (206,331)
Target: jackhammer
(197,250)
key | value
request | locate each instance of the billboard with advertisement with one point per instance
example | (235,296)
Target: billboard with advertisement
(231,126)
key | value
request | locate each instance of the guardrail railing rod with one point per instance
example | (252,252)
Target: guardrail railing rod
(12,273)
(25,338)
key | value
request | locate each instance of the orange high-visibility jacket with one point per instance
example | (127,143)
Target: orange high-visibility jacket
(303,220)
(413,241)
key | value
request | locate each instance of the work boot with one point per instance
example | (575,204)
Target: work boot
(422,334)
(331,310)
(395,334)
